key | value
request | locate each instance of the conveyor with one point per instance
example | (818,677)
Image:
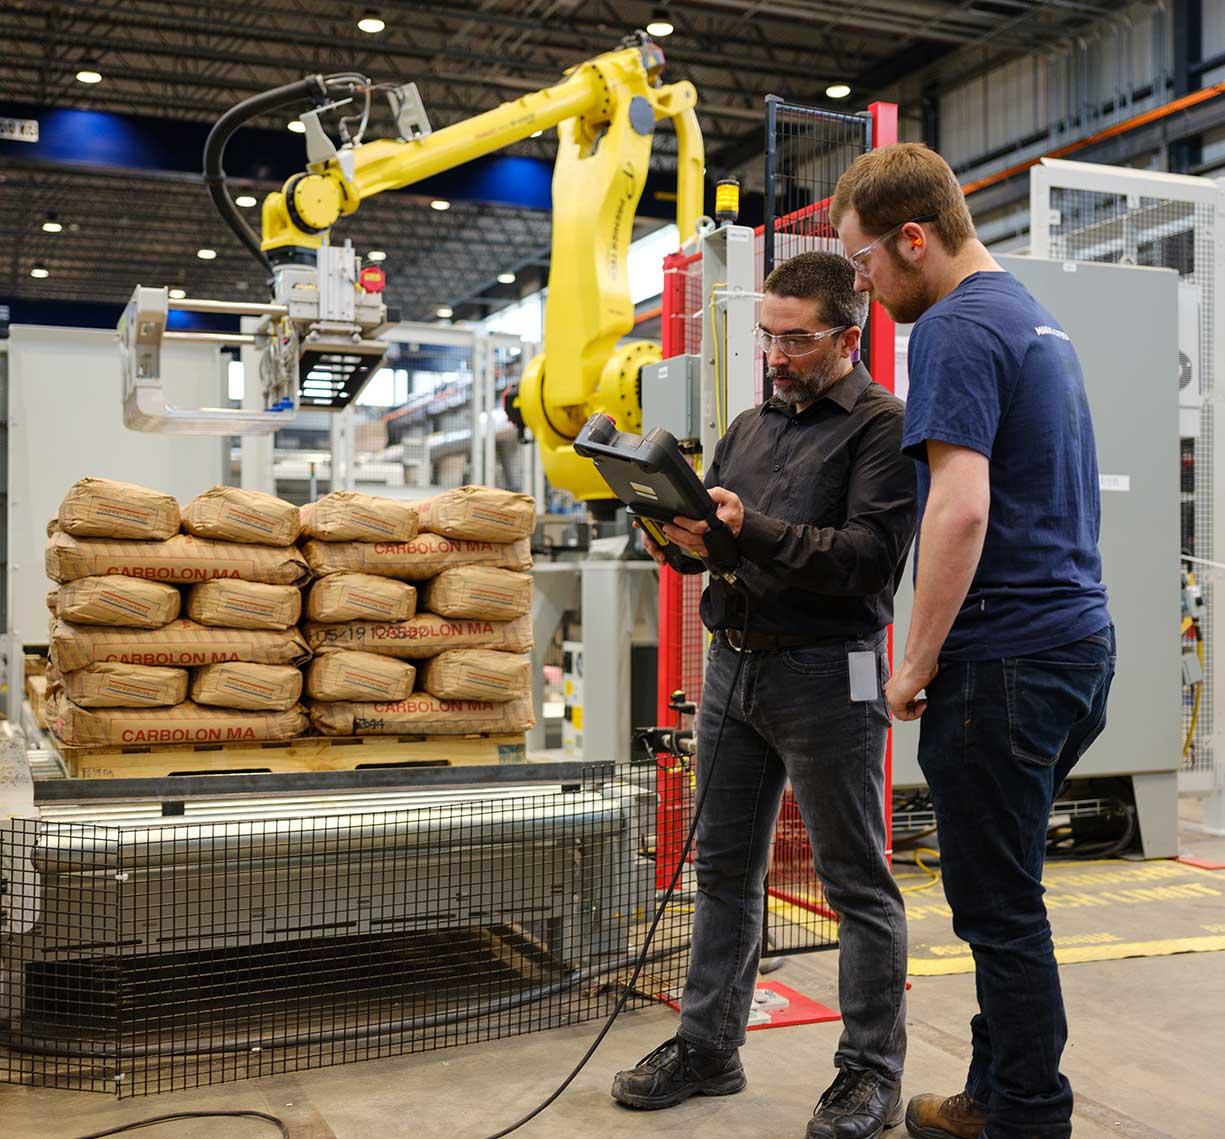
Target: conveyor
(508,879)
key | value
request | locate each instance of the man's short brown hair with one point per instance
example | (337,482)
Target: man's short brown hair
(825,278)
(896,183)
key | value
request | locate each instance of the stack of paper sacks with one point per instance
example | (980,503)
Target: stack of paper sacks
(140,603)
(440,584)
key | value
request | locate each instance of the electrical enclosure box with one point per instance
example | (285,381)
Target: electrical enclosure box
(672,397)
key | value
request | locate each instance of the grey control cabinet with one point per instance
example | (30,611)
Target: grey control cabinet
(672,396)
(1124,323)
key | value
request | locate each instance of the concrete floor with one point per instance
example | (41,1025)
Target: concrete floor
(1145,1057)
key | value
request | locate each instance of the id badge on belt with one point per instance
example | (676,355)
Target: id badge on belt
(865,676)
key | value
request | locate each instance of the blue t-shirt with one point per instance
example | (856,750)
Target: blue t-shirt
(991,370)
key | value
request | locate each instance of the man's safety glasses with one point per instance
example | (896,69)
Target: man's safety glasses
(859,259)
(792,344)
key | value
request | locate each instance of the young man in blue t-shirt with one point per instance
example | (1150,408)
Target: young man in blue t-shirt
(1010,637)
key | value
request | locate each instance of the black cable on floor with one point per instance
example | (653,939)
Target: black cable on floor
(279,1123)
(1065,848)
(544,1105)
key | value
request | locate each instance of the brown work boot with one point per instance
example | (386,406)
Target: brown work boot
(933,1117)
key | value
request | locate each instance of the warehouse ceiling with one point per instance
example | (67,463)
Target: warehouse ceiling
(187,63)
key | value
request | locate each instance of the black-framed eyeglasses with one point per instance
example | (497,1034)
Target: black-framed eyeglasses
(792,344)
(859,259)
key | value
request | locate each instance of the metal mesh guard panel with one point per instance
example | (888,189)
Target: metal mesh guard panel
(807,151)
(1090,225)
(151,957)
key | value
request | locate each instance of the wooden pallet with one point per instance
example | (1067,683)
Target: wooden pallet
(316,753)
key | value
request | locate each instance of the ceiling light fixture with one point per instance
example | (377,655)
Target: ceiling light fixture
(440,204)
(178,294)
(206,254)
(371,23)
(39,272)
(661,25)
(297,126)
(445,312)
(53,224)
(376,255)
(89,73)
(837,91)
(506,278)
(246,201)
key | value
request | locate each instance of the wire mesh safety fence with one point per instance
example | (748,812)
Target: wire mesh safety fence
(807,151)
(1132,229)
(153,955)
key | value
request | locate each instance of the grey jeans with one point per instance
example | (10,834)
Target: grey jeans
(792,718)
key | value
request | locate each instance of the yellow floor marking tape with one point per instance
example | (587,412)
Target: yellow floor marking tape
(1070,949)
(1073,955)
(796,915)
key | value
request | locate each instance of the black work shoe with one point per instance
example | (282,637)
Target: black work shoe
(675,1071)
(857,1105)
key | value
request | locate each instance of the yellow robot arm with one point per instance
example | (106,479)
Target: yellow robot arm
(597,182)
(605,110)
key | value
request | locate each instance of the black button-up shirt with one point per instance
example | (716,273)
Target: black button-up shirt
(829,513)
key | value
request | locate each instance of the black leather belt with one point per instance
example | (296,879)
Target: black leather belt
(773,642)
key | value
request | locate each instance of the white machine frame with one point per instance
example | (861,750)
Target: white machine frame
(1208,776)
(341,471)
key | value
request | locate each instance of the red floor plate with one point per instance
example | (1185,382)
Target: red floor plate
(1200,863)
(800,1009)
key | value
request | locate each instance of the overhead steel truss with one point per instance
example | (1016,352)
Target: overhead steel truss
(186,61)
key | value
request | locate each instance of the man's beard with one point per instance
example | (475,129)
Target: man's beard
(807,386)
(909,301)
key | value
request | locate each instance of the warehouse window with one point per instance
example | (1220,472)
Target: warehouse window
(646,262)
(524,318)
(424,382)
(387,388)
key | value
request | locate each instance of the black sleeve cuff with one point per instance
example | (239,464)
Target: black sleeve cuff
(759,536)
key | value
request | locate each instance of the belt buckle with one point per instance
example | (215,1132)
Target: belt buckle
(731,636)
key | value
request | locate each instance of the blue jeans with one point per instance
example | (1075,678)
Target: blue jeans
(997,740)
(791,717)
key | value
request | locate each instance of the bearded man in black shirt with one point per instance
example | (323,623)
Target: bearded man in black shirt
(823,503)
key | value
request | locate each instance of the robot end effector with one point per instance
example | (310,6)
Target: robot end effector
(316,343)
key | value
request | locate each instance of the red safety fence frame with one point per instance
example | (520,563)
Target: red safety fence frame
(672,818)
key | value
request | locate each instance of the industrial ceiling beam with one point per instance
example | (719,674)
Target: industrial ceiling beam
(149,37)
(571,40)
